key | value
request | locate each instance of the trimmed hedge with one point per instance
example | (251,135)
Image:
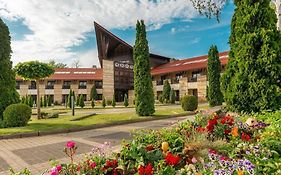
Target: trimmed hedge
(16,115)
(189,103)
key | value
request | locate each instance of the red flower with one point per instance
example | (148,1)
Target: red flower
(227,131)
(111,164)
(70,144)
(227,120)
(211,124)
(200,129)
(148,170)
(212,151)
(245,137)
(171,159)
(149,148)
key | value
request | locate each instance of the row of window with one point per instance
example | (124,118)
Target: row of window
(65,85)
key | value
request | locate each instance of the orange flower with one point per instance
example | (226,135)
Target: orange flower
(240,172)
(234,131)
(198,174)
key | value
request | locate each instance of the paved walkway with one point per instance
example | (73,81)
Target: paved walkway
(35,153)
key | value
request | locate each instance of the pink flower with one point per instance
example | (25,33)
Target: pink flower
(58,168)
(93,165)
(194,160)
(54,173)
(70,144)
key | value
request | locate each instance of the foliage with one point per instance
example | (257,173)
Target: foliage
(109,102)
(251,82)
(166,91)
(16,115)
(215,96)
(45,103)
(81,101)
(30,101)
(94,94)
(144,97)
(172,96)
(54,64)
(103,103)
(189,103)
(93,103)
(113,101)
(8,91)
(126,102)
(78,100)
(34,70)
(71,93)
(49,101)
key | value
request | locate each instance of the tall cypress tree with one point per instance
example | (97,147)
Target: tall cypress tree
(8,93)
(252,78)
(214,92)
(166,91)
(144,98)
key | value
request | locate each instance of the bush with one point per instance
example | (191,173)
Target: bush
(16,115)
(161,98)
(53,115)
(189,103)
(103,102)
(126,103)
(113,102)
(81,101)
(109,102)
(93,103)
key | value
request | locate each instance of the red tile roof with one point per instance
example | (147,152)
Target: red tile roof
(187,64)
(75,74)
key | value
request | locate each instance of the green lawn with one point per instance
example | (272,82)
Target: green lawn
(63,122)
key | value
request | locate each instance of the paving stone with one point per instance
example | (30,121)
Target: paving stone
(114,138)
(3,165)
(45,153)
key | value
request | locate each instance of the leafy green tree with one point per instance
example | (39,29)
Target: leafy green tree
(215,96)
(251,81)
(113,101)
(126,102)
(144,97)
(30,101)
(93,103)
(166,91)
(172,96)
(94,93)
(49,99)
(8,93)
(103,102)
(34,70)
(81,101)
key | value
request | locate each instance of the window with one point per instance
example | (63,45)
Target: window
(17,84)
(98,84)
(82,84)
(32,85)
(50,85)
(66,85)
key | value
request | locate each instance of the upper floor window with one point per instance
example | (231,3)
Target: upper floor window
(66,85)
(82,84)
(32,85)
(50,85)
(98,84)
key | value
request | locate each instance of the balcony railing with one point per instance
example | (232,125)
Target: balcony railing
(49,87)
(192,79)
(175,81)
(159,82)
(65,86)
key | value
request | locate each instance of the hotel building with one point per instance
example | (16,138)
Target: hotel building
(115,77)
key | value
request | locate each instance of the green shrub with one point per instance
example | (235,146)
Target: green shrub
(53,115)
(16,115)
(81,101)
(93,103)
(126,103)
(189,103)
(109,102)
(113,101)
(172,96)
(161,98)
(103,102)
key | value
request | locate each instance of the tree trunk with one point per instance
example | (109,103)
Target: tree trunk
(38,100)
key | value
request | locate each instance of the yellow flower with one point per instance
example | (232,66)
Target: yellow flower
(240,172)
(165,146)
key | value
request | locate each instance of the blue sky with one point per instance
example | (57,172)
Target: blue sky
(54,30)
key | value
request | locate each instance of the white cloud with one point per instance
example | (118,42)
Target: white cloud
(57,25)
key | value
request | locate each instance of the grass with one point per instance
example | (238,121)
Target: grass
(64,122)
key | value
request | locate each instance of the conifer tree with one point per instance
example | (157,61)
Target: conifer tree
(69,98)
(93,103)
(172,96)
(94,93)
(166,91)
(215,97)
(81,101)
(103,102)
(8,93)
(144,97)
(251,82)
(49,99)
(78,100)
(45,101)
(126,103)
(30,101)
(113,101)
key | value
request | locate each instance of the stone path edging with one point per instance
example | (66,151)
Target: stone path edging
(83,128)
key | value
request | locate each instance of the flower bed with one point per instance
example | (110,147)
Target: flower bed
(212,144)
